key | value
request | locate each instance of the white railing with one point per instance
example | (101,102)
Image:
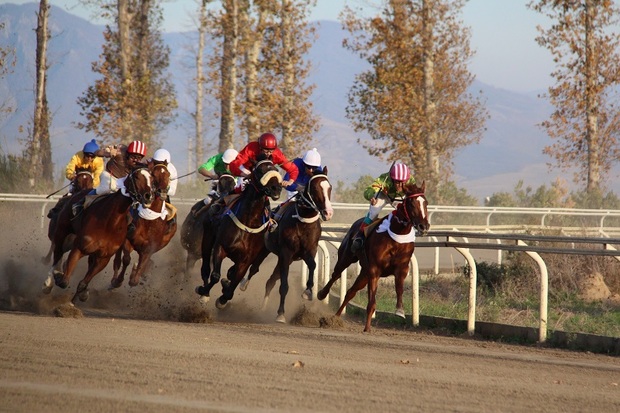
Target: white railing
(455,238)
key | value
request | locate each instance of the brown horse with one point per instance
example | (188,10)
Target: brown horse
(153,231)
(385,253)
(199,217)
(83,181)
(101,231)
(240,232)
(296,238)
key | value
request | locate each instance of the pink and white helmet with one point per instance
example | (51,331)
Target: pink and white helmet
(399,172)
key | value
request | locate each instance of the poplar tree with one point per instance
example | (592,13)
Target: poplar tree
(414,100)
(586,122)
(135,98)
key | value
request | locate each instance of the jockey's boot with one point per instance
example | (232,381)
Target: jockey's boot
(216,207)
(358,241)
(273,225)
(77,208)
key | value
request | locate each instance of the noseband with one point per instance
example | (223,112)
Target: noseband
(260,183)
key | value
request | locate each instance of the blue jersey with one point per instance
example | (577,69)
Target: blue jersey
(303,178)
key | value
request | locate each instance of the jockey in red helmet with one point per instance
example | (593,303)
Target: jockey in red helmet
(122,160)
(268,144)
(385,189)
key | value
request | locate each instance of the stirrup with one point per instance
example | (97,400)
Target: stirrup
(273,225)
(76,209)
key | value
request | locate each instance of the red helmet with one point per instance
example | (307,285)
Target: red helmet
(268,141)
(399,172)
(137,147)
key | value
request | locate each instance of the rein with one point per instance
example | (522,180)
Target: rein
(408,220)
(131,190)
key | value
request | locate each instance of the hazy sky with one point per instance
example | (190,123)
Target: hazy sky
(503,33)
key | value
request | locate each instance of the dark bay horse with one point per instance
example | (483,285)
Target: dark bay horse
(296,237)
(199,217)
(385,252)
(239,233)
(100,231)
(83,181)
(153,231)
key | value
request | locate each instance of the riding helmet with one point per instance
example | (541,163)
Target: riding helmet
(312,158)
(137,147)
(399,172)
(268,141)
(91,147)
(161,155)
(229,155)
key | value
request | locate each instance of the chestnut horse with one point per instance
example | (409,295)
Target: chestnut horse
(83,181)
(240,232)
(153,231)
(101,231)
(387,250)
(296,238)
(199,218)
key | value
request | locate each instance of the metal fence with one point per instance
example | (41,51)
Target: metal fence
(493,228)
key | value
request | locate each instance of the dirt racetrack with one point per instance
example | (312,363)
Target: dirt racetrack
(155,348)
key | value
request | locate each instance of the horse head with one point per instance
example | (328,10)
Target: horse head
(266,178)
(139,186)
(83,179)
(415,207)
(225,184)
(161,178)
(317,195)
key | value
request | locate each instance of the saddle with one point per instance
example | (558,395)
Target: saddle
(372,226)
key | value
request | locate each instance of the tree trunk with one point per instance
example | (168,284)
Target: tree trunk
(229,74)
(254,45)
(289,79)
(40,149)
(200,85)
(593,179)
(125,15)
(432,160)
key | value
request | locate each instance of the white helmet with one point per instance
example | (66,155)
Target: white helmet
(161,155)
(312,158)
(229,155)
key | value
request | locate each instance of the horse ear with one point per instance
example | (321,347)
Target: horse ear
(423,187)
(325,170)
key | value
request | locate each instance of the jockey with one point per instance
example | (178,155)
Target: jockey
(267,144)
(162,156)
(216,166)
(122,160)
(307,166)
(386,188)
(85,160)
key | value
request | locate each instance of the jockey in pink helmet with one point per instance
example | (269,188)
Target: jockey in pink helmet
(385,189)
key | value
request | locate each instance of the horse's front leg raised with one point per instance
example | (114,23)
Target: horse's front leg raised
(143,260)
(62,279)
(95,265)
(229,284)
(123,257)
(243,285)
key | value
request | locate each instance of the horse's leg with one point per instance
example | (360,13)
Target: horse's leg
(373,282)
(116,266)
(399,285)
(311,264)
(271,282)
(48,257)
(230,284)
(208,254)
(62,280)
(122,256)
(95,265)
(136,273)
(284,261)
(360,282)
(254,268)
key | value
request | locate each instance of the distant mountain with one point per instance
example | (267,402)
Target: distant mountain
(510,150)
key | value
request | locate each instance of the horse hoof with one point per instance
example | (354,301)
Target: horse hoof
(48,285)
(280,319)
(243,285)
(83,296)
(204,299)
(59,279)
(307,295)
(202,291)
(400,313)
(225,282)
(219,304)
(321,295)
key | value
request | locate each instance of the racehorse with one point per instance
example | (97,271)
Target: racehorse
(83,181)
(153,231)
(240,232)
(387,250)
(296,237)
(101,231)
(199,218)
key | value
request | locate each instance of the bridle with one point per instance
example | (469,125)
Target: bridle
(260,184)
(161,192)
(409,220)
(306,199)
(138,198)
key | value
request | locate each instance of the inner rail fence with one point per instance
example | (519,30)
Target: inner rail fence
(454,227)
